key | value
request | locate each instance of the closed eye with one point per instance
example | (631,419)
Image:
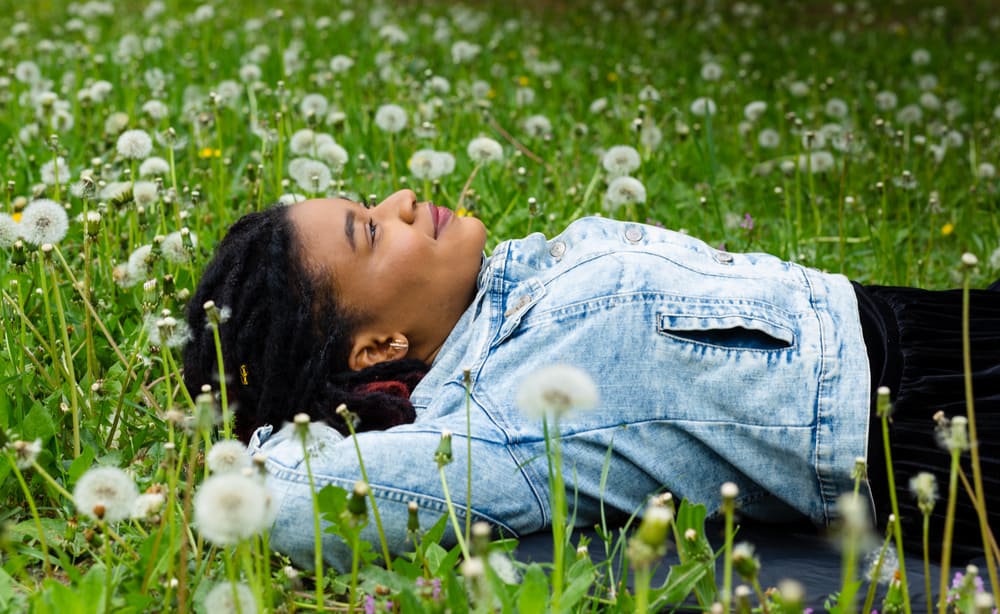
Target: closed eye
(371,230)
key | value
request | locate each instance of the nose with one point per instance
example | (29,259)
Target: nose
(405,202)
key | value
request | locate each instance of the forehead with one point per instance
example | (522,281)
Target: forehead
(319,224)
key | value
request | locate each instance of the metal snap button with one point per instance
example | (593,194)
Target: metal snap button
(558,249)
(723,257)
(634,235)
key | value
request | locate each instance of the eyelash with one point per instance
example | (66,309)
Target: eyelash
(371,229)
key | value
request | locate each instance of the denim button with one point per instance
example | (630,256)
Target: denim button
(634,235)
(558,249)
(723,257)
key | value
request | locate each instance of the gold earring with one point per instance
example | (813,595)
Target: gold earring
(399,345)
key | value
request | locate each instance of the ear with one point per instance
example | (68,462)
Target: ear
(370,349)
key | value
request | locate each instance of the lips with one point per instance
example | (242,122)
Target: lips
(440,216)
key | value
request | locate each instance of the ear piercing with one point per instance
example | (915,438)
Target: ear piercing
(397,344)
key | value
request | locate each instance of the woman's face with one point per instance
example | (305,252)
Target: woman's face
(408,268)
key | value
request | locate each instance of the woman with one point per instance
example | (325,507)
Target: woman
(710,367)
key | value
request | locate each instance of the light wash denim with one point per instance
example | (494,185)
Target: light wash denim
(711,367)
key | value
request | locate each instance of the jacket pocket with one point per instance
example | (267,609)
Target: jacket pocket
(727,331)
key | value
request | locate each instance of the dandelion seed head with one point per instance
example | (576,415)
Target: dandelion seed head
(884,573)
(334,155)
(754,110)
(26,452)
(223,600)
(314,104)
(44,221)
(886,100)
(391,118)
(54,171)
(485,149)
(311,175)
(228,508)
(464,51)
(711,71)
(144,193)
(556,390)
(227,456)
(624,190)
(620,160)
(703,107)
(909,115)
(147,505)
(10,231)
(175,249)
(341,63)
(816,161)
(108,492)
(134,144)
(836,108)
(154,167)
(986,170)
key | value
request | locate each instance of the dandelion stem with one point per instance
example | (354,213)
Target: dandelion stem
(224,399)
(34,515)
(877,571)
(317,536)
(371,496)
(977,475)
(451,515)
(949,522)
(897,529)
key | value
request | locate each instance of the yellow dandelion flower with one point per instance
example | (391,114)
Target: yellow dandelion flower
(522,81)
(491,94)
(463,212)
(612,76)
(947,229)
(16,216)
(208,152)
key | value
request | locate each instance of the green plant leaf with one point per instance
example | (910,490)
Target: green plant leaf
(38,424)
(533,597)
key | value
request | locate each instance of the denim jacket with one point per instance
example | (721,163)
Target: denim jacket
(711,367)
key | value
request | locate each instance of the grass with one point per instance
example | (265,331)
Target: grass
(873,156)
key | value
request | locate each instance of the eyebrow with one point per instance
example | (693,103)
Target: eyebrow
(349,230)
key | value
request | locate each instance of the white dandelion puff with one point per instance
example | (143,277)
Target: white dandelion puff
(711,71)
(910,114)
(140,263)
(703,106)
(341,63)
(10,231)
(225,599)
(555,390)
(334,155)
(485,149)
(601,104)
(227,456)
(425,164)
(886,570)
(620,160)
(106,493)
(314,104)
(290,198)
(768,138)
(311,175)
(250,73)
(754,110)
(44,221)
(54,171)
(175,246)
(26,452)
(537,126)
(886,100)
(623,191)
(816,161)
(147,505)
(154,167)
(135,144)
(144,193)
(920,57)
(229,507)
(930,101)
(798,89)
(651,136)
(155,109)
(464,51)
(390,117)
(836,108)
(302,141)
(985,170)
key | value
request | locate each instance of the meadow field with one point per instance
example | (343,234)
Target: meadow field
(858,137)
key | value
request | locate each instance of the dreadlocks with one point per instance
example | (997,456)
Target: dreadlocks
(289,337)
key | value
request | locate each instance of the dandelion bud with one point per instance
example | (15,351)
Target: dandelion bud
(742,599)
(690,535)
(969,260)
(412,519)
(924,488)
(19,255)
(860,471)
(883,406)
(729,491)
(958,437)
(793,594)
(655,525)
(473,567)
(744,561)
(357,503)
(350,418)
(480,537)
(204,411)
(983,603)
(443,455)
(582,552)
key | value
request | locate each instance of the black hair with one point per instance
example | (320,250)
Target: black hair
(285,330)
